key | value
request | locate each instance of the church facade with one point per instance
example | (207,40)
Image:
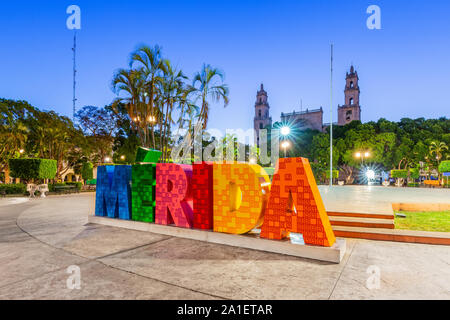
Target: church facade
(311,119)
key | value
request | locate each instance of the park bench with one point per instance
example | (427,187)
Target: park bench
(66,189)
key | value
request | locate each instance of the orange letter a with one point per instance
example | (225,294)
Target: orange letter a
(295,205)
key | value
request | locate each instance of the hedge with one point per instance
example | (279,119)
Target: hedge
(399,174)
(32,168)
(91,182)
(444,166)
(18,188)
(51,187)
(335,174)
(413,185)
(87,171)
(79,185)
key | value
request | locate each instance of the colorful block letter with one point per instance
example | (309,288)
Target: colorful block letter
(143,192)
(202,187)
(295,205)
(113,197)
(239,200)
(174,195)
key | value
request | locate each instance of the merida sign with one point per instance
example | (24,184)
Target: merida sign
(232,198)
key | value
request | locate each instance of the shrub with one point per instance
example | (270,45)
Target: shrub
(414,173)
(444,166)
(402,174)
(335,174)
(91,182)
(32,168)
(51,187)
(87,171)
(413,185)
(18,188)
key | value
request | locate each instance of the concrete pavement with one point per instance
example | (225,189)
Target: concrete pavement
(40,238)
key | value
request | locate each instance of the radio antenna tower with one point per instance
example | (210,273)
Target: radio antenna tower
(74,49)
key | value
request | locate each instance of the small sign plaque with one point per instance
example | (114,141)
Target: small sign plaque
(297,238)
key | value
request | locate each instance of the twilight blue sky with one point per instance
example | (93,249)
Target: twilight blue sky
(404,68)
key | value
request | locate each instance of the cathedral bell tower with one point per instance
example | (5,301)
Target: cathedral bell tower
(262,118)
(351,111)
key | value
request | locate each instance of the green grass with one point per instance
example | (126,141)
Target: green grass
(424,221)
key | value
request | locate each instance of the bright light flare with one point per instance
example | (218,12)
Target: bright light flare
(285,144)
(285,131)
(370,174)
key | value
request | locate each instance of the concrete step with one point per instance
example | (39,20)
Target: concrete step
(437,238)
(362,222)
(383,215)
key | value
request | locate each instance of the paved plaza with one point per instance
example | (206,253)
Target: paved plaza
(41,238)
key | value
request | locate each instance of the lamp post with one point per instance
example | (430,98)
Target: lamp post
(285,132)
(362,156)
(285,145)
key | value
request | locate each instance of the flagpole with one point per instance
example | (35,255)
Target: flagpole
(331,119)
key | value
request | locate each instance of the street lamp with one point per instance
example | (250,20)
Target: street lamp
(285,145)
(152,119)
(362,155)
(21,151)
(107,159)
(122,158)
(285,131)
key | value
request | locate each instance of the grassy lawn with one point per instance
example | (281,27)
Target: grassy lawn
(424,221)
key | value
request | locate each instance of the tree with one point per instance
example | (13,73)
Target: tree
(132,83)
(100,126)
(208,86)
(13,131)
(87,171)
(172,94)
(438,150)
(151,62)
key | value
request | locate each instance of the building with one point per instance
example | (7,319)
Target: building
(312,118)
(351,111)
(262,118)
(309,119)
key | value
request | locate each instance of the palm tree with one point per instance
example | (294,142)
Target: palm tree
(131,82)
(438,149)
(208,85)
(172,90)
(149,58)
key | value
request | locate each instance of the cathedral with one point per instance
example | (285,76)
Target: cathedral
(311,119)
